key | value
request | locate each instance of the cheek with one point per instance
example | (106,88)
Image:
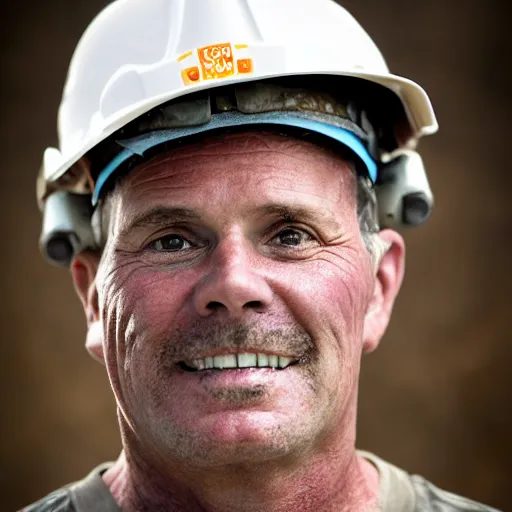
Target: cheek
(140,309)
(329,297)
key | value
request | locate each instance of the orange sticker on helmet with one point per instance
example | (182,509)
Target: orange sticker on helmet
(191,75)
(216,61)
(244,65)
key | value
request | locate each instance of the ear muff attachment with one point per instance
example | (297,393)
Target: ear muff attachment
(403,193)
(66,227)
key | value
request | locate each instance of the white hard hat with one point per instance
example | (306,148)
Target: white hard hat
(137,55)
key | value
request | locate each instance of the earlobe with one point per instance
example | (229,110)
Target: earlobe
(388,279)
(83,271)
(94,341)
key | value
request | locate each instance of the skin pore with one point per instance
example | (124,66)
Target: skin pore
(242,243)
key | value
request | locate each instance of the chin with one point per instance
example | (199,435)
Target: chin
(236,437)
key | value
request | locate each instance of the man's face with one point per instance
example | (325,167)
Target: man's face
(245,246)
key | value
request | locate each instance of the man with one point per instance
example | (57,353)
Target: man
(245,161)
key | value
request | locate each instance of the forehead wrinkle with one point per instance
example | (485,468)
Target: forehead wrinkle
(158,170)
(173,157)
(239,144)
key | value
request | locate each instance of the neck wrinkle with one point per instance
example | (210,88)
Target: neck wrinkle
(338,481)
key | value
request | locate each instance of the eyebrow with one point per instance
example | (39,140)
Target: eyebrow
(162,215)
(294,213)
(159,216)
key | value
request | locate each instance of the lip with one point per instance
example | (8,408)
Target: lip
(210,380)
(239,350)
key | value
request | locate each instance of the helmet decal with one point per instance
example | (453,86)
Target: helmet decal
(214,62)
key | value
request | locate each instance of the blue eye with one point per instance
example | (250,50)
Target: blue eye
(170,243)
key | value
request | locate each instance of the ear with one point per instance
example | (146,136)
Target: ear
(83,271)
(388,279)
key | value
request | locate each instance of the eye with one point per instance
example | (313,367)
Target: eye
(292,237)
(170,243)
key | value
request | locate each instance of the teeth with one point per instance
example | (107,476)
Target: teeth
(245,360)
(262,360)
(284,361)
(225,361)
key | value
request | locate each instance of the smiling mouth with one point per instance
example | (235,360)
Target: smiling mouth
(238,361)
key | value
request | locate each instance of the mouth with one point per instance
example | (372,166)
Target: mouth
(238,361)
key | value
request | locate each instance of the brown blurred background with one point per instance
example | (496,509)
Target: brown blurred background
(435,397)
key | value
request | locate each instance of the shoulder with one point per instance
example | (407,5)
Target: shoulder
(431,498)
(57,501)
(90,492)
(402,492)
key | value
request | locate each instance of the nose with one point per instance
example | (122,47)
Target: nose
(234,286)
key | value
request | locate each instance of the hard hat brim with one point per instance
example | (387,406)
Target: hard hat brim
(412,96)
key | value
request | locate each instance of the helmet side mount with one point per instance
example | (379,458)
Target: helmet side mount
(404,197)
(66,227)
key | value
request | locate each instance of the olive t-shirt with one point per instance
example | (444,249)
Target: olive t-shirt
(399,492)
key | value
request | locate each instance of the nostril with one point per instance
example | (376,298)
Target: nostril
(253,304)
(215,306)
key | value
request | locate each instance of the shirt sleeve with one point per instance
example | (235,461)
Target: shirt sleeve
(430,498)
(57,501)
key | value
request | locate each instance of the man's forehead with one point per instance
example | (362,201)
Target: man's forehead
(285,174)
(256,151)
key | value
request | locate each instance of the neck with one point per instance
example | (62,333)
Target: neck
(334,480)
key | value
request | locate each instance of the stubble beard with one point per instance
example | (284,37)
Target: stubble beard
(167,440)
